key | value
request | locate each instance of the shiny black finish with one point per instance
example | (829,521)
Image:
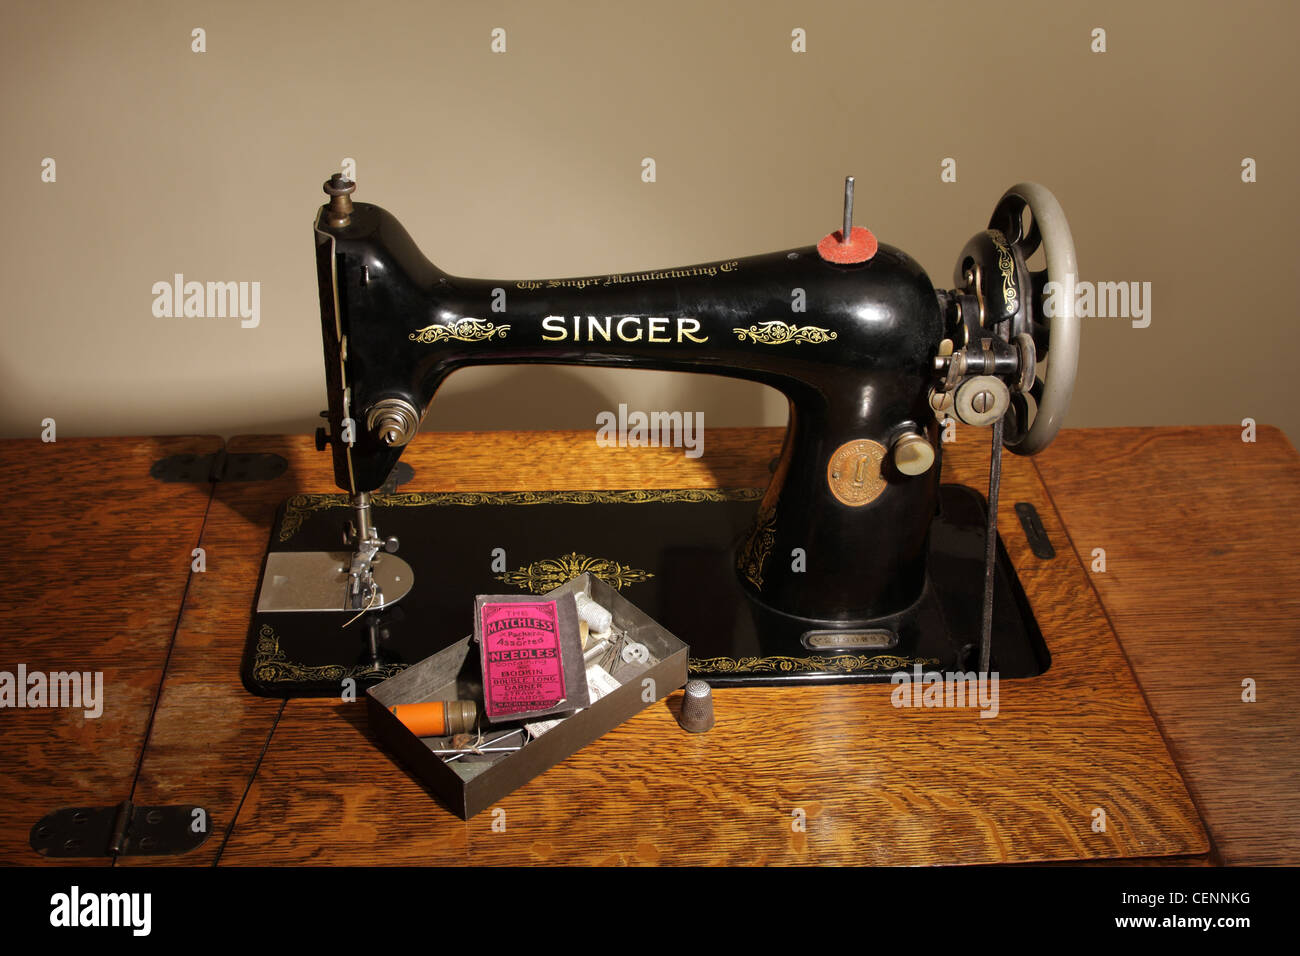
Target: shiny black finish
(680,572)
(869,382)
(995,265)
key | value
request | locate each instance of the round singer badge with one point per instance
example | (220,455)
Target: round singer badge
(853,472)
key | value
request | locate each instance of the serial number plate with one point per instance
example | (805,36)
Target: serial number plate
(876,640)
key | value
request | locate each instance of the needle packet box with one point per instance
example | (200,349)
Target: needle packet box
(530,653)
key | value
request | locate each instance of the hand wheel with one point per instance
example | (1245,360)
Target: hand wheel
(1056,336)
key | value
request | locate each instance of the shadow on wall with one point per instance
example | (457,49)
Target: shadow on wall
(539,398)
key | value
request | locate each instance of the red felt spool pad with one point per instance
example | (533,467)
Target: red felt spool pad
(861,247)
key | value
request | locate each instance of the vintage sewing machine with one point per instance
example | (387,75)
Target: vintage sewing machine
(854,563)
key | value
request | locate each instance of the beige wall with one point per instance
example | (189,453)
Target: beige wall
(527,164)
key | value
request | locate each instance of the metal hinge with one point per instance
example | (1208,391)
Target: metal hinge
(123,830)
(219,466)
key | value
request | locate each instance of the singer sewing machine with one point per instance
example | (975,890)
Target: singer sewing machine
(855,562)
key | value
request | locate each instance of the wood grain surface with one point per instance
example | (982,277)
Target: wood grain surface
(97,554)
(1202,584)
(874,783)
(209,732)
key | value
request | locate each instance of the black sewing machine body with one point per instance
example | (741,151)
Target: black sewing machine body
(858,364)
(853,564)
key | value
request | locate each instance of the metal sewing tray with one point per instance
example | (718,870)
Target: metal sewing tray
(466,788)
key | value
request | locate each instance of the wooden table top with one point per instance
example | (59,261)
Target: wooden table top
(1202,584)
(98,554)
(304,780)
(877,784)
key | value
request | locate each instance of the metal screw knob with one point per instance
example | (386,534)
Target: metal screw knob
(913,454)
(393,421)
(982,400)
(340,185)
(340,189)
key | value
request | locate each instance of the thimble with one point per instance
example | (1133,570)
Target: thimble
(697,707)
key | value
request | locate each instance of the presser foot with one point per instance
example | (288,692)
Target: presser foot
(369,578)
(323,581)
(365,590)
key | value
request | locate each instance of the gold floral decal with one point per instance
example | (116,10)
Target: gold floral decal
(1006,265)
(462,330)
(836,664)
(270,666)
(756,547)
(298,507)
(782,333)
(549,573)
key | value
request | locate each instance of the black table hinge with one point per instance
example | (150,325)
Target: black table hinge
(1039,543)
(123,830)
(219,466)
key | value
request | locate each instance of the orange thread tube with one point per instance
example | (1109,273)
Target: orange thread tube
(437,718)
